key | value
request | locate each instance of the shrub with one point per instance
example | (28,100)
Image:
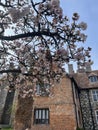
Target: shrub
(8,128)
(79,128)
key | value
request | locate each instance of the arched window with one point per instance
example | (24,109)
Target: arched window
(93,78)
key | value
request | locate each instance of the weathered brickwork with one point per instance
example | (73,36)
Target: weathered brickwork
(61,107)
(69,99)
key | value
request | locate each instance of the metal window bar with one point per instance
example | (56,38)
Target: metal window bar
(41,116)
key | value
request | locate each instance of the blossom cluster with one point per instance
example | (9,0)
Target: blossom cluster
(43,41)
(17,14)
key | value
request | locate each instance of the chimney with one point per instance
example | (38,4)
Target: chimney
(70,68)
(80,69)
(88,68)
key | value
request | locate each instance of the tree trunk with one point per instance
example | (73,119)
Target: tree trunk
(23,113)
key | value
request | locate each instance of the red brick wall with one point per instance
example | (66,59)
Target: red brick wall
(61,107)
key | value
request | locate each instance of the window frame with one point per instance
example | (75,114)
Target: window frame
(95,95)
(93,78)
(41,89)
(41,119)
(96,116)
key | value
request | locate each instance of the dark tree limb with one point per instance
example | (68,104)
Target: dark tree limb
(29,34)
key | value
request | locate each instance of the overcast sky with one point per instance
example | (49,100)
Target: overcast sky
(88,11)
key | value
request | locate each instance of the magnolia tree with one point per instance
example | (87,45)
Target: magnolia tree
(36,42)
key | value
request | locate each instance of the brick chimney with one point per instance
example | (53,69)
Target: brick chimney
(88,68)
(80,69)
(70,69)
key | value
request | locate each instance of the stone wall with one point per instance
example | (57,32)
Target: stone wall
(94,106)
(87,110)
(61,107)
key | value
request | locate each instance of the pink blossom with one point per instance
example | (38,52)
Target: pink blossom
(17,14)
(55,3)
(75,16)
(83,37)
(82,25)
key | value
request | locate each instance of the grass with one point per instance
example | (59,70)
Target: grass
(6,129)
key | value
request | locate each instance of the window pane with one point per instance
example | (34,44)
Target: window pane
(43,115)
(39,114)
(36,114)
(47,114)
(95,97)
(37,88)
(93,78)
(93,92)
(96,112)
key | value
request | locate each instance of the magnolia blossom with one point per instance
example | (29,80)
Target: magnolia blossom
(87,53)
(79,56)
(88,63)
(62,51)
(83,37)
(55,3)
(45,41)
(75,16)
(72,46)
(58,11)
(82,25)
(25,11)
(77,32)
(80,49)
(23,70)
(17,14)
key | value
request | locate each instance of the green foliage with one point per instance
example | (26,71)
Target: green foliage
(8,128)
(79,128)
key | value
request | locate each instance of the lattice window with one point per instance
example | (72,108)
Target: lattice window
(96,114)
(93,78)
(95,95)
(43,89)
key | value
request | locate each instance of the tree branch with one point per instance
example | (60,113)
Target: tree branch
(10,71)
(4,5)
(29,34)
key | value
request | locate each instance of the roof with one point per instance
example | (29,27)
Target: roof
(82,79)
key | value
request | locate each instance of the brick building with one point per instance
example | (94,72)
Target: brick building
(88,95)
(58,111)
(73,103)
